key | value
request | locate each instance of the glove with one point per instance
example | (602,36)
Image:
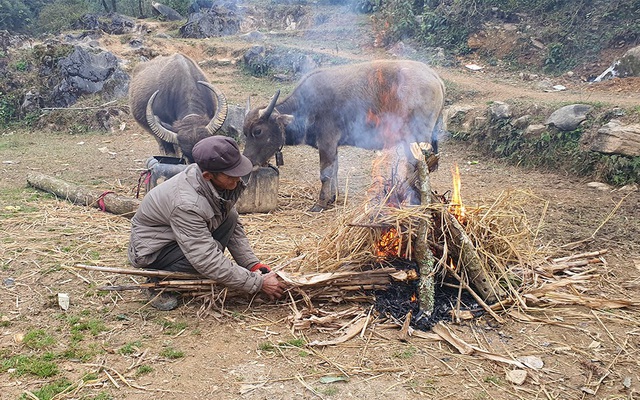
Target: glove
(264,268)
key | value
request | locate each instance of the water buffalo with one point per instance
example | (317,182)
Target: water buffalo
(172,99)
(371,105)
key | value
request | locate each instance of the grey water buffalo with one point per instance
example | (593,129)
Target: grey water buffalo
(171,98)
(372,105)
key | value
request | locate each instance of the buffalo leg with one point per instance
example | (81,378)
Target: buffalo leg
(329,179)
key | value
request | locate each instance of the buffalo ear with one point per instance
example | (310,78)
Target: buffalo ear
(284,119)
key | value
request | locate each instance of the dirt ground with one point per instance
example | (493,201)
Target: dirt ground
(113,345)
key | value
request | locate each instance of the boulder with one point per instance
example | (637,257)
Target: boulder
(84,72)
(219,20)
(616,138)
(629,64)
(500,110)
(112,23)
(568,118)
(460,118)
(232,125)
(166,12)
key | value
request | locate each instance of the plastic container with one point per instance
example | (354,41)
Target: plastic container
(162,168)
(260,196)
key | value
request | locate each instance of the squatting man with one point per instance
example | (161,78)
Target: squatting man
(186,223)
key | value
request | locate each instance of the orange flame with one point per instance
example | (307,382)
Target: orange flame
(456,207)
(389,244)
(414,298)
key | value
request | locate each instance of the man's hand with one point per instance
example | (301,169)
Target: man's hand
(272,286)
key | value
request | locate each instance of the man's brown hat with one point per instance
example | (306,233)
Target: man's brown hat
(221,154)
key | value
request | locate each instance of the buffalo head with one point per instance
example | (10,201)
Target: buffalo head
(264,130)
(192,128)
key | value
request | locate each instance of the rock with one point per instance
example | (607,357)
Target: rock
(533,362)
(568,118)
(167,12)
(219,20)
(84,72)
(629,64)
(232,125)
(500,110)
(460,118)
(112,23)
(615,138)
(599,186)
(516,376)
(534,131)
(522,122)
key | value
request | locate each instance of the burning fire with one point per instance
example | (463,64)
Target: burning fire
(455,206)
(389,244)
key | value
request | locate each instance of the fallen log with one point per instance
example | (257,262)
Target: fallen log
(105,200)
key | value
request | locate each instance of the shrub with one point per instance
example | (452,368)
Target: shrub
(60,14)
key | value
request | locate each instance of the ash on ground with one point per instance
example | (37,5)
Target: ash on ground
(397,299)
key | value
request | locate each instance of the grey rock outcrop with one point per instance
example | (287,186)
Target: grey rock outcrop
(84,72)
(568,118)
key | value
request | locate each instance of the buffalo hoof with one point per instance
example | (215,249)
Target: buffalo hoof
(317,208)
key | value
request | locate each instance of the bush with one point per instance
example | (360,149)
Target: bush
(60,14)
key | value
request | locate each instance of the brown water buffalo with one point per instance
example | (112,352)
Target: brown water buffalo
(172,99)
(372,105)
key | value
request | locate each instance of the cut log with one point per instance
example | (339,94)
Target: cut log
(423,255)
(105,200)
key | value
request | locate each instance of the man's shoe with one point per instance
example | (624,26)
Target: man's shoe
(163,301)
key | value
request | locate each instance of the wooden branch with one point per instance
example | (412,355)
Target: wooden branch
(119,205)
(467,258)
(139,272)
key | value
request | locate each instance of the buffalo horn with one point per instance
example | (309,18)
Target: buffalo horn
(266,113)
(221,109)
(155,125)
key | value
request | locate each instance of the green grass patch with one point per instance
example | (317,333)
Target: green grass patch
(172,353)
(79,325)
(172,327)
(266,346)
(38,339)
(41,366)
(406,353)
(130,348)
(143,370)
(50,390)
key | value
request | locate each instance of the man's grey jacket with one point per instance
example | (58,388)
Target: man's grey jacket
(186,209)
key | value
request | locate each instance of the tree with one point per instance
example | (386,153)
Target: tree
(15,16)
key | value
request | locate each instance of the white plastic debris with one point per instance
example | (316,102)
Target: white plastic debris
(474,67)
(63,301)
